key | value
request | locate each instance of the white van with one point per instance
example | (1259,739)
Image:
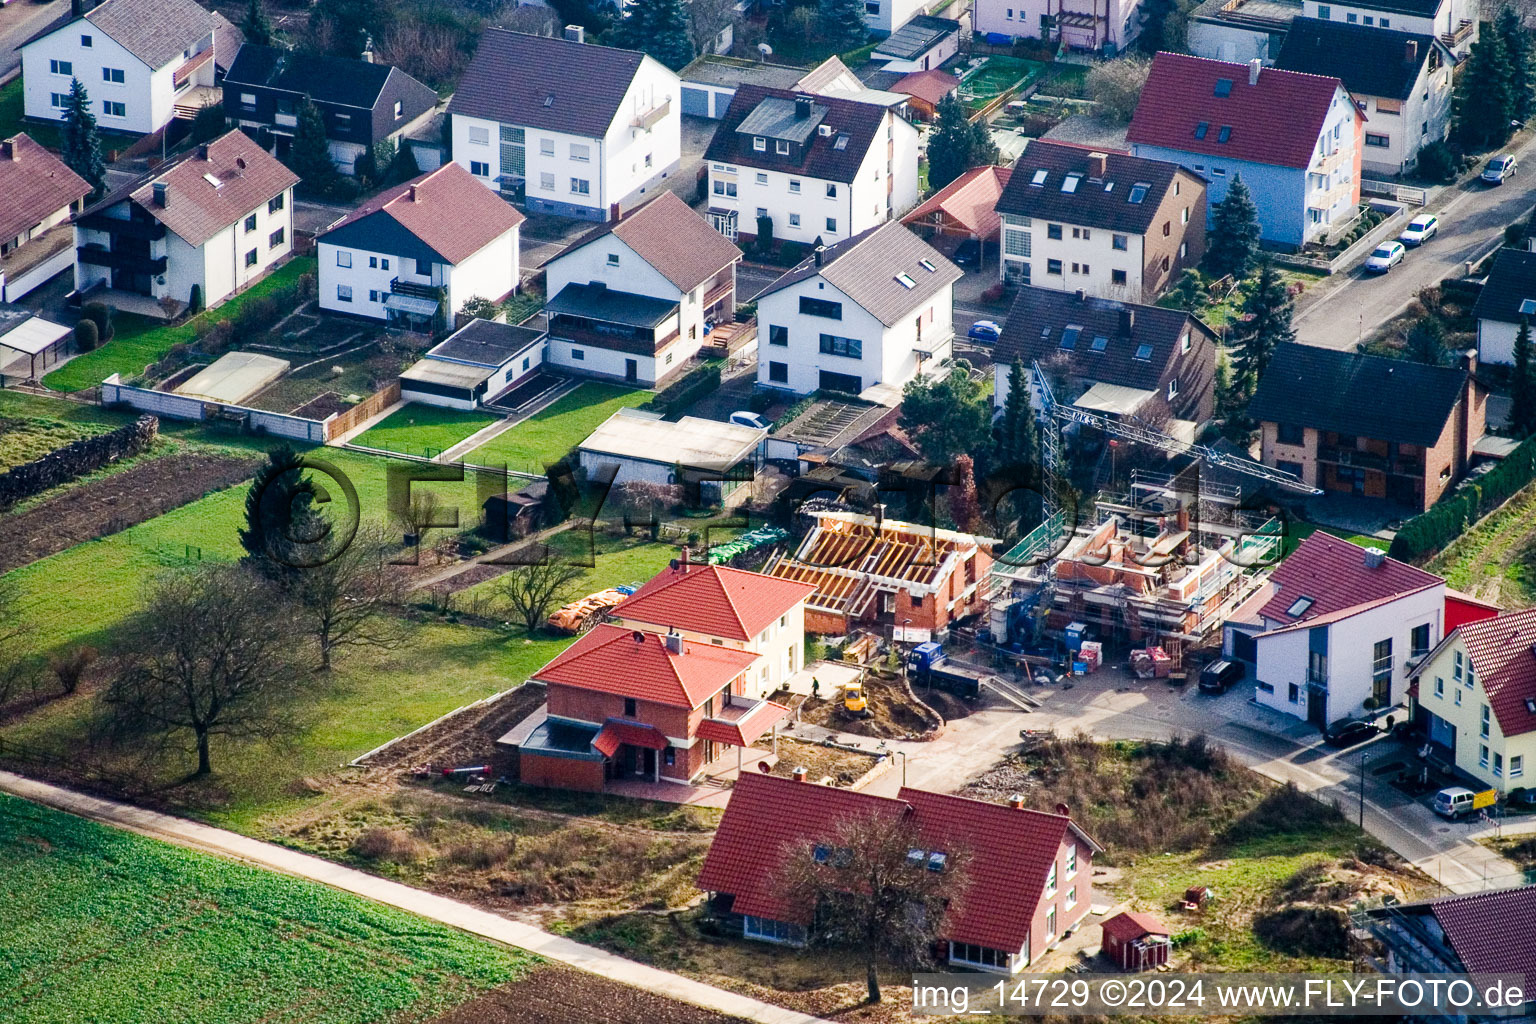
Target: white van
(1453,801)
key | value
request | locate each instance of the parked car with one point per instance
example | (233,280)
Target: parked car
(1420,230)
(985,331)
(746,418)
(968,253)
(1218,676)
(1384,257)
(1452,802)
(1347,734)
(1499,169)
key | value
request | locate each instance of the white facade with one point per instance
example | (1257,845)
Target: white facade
(126,94)
(883,17)
(804,208)
(795,347)
(1496,342)
(1454,18)
(593,360)
(1117,25)
(1281,672)
(1395,130)
(1239,44)
(581,176)
(1107,264)
(358,281)
(610,261)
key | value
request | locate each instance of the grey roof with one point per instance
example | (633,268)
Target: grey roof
(1369,61)
(866,267)
(917,36)
(485,343)
(155,31)
(554,84)
(776,118)
(731,72)
(596,302)
(1510,285)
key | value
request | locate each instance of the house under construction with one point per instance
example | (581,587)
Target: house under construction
(1151,566)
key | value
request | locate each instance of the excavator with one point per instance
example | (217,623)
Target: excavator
(855,704)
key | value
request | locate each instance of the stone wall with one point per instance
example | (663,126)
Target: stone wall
(76,459)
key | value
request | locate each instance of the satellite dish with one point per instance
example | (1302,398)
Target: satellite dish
(765,49)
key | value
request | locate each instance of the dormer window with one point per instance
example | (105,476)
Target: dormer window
(781,147)
(759,143)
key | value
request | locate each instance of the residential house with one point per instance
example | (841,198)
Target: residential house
(709,458)
(197,228)
(1108,224)
(141,60)
(710,82)
(927,90)
(474,365)
(922,43)
(733,608)
(570,127)
(1489,933)
(1507,300)
(1240,30)
(1334,631)
(1077,24)
(1476,694)
(633,300)
(877,309)
(964,210)
(1123,359)
(1027,883)
(875,571)
(415,253)
(884,17)
(1400,80)
(1219,120)
(36,241)
(809,166)
(1453,22)
(1367,425)
(632,704)
(363,103)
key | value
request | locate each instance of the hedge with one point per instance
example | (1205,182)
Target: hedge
(694,385)
(1427,533)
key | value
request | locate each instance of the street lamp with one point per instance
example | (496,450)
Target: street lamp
(903,754)
(1364,757)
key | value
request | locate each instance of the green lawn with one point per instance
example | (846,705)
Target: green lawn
(32,426)
(105,925)
(546,436)
(138,341)
(425,430)
(1298,531)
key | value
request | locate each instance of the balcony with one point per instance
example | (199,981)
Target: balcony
(146,230)
(718,292)
(182,74)
(742,721)
(652,117)
(1459,35)
(401,286)
(135,263)
(602,334)
(1368,460)
(285,120)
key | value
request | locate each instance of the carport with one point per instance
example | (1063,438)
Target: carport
(29,343)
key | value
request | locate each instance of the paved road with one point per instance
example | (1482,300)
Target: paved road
(20,21)
(1472,219)
(424,904)
(752,278)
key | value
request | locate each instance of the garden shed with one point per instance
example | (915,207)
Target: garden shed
(1135,941)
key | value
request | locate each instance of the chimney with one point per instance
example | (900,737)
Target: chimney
(162,193)
(411,191)
(1465,442)
(1374,557)
(1098,165)
(817,253)
(674,643)
(1127,321)
(575,33)
(1469,360)
(1411,51)
(8,150)
(202,151)
(1016,801)
(1064,810)
(1081,295)
(682,559)
(615,214)
(799,774)
(1253,71)
(802,107)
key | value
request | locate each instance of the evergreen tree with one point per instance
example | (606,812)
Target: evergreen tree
(956,144)
(1188,292)
(660,29)
(842,23)
(82,143)
(1426,341)
(310,156)
(1226,398)
(1485,100)
(1267,324)
(1522,411)
(1517,44)
(1233,241)
(1017,436)
(948,417)
(255,25)
(279,514)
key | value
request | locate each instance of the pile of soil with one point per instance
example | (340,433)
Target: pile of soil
(469,738)
(893,715)
(844,766)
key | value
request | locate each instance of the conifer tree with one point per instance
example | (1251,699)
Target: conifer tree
(82,143)
(1233,240)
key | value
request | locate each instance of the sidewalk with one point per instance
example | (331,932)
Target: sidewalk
(437,908)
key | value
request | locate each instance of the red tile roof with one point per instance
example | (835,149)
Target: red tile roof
(451,212)
(36,184)
(1502,652)
(1128,925)
(747,730)
(1010,850)
(615,734)
(1332,572)
(931,85)
(677,243)
(1276,121)
(970,199)
(610,659)
(1493,932)
(714,600)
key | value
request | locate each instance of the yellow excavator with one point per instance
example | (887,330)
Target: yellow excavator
(855,705)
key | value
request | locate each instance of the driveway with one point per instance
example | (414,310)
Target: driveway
(20,21)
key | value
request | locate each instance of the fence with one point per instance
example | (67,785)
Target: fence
(261,421)
(1402,193)
(1355,252)
(374,404)
(75,459)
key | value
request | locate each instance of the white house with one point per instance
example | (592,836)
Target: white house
(1507,300)
(138,59)
(1402,81)
(574,128)
(40,193)
(474,365)
(213,219)
(1453,22)
(632,300)
(922,44)
(815,166)
(876,310)
(883,17)
(1337,629)
(417,252)
(1078,24)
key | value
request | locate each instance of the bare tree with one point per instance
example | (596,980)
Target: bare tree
(213,652)
(348,600)
(420,514)
(707,19)
(1116,85)
(537,587)
(868,894)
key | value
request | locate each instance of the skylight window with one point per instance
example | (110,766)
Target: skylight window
(937,860)
(927,265)
(841,143)
(1045,332)
(1223,87)
(1225,135)
(1530,705)
(210,179)
(821,853)
(1039,178)
(1138,192)
(1201,129)
(1109,186)
(1527,307)
(1100,343)
(916,856)
(1143,351)
(1069,337)
(1299,607)
(905,280)
(1069,183)
(549,100)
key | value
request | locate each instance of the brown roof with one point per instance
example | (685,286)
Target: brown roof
(1503,651)
(1492,932)
(970,200)
(197,209)
(155,31)
(833,157)
(35,184)
(1065,183)
(447,209)
(668,235)
(931,85)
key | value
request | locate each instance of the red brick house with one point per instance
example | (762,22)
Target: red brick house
(1029,872)
(633,704)
(874,571)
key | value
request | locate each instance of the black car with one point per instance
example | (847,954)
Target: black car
(1218,676)
(968,253)
(1347,734)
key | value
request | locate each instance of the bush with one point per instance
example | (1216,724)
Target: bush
(694,385)
(70,668)
(389,844)
(195,300)
(1427,533)
(746,310)
(993,293)
(1305,931)
(216,338)
(86,337)
(101,314)
(1116,86)
(1438,162)
(479,306)
(209,124)
(792,253)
